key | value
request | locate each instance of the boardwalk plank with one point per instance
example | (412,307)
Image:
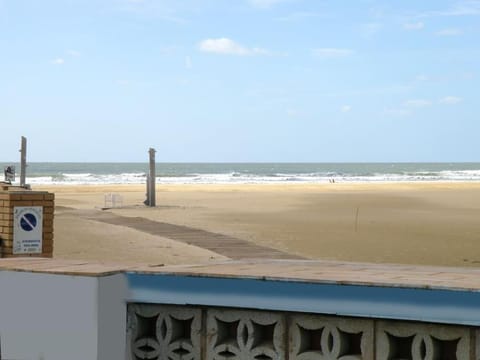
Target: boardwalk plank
(226,245)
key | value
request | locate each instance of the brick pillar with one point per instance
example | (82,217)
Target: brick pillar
(21,210)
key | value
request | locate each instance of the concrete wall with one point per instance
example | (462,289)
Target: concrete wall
(112,316)
(48,316)
(61,317)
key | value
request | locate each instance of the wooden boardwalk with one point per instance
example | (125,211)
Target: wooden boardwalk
(228,246)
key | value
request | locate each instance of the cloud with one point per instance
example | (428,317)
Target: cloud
(293,113)
(73,53)
(414,26)
(377,12)
(168,50)
(188,62)
(417,103)
(467,75)
(167,10)
(325,53)
(227,46)
(463,8)
(422,103)
(264,4)
(449,32)
(58,61)
(422,77)
(397,112)
(371,29)
(298,16)
(345,108)
(450,100)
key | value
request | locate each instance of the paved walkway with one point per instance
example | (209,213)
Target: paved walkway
(228,246)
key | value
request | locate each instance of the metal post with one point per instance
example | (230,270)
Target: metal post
(151,182)
(23,162)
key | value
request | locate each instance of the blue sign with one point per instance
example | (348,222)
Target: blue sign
(28,222)
(27,229)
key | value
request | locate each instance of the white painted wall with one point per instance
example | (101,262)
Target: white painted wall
(112,317)
(60,317)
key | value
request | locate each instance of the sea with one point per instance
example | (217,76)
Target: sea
(50,173)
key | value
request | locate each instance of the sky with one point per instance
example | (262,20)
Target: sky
(240,80)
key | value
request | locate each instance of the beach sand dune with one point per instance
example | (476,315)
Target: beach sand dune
(414,223)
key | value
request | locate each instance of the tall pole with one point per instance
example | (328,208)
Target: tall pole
(23,162)
(151,182)
(147,200)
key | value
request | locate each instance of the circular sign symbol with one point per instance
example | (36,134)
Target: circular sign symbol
(28,222)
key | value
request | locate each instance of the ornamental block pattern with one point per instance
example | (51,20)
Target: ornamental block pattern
(235,334)
(163,332)
(321,337)
(167,332)
(416,341)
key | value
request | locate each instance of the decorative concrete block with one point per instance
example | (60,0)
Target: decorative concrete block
(163,332)
(417,341)
(314,337)
(477,343)
(167,332)
(245,334)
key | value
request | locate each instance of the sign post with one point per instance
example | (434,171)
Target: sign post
(151,197)
(27,229)
(23,162)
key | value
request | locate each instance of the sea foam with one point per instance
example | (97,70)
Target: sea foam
(246,173)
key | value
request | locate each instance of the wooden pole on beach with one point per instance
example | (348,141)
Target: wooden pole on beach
(151,196)
(23,162)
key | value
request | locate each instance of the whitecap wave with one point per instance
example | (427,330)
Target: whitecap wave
(251,178)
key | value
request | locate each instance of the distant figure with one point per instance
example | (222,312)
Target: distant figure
(9,173)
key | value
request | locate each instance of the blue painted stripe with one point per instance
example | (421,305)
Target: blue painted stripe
(440,306)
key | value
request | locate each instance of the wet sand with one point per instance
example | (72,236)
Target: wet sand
(412,223)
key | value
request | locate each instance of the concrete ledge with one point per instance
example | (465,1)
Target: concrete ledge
(304,271)
(438,306)
(430,294)
(412,311)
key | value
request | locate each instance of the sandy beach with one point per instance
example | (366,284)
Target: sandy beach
(411,223)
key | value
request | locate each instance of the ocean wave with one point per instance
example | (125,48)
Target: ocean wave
(236,177)
(88,178)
